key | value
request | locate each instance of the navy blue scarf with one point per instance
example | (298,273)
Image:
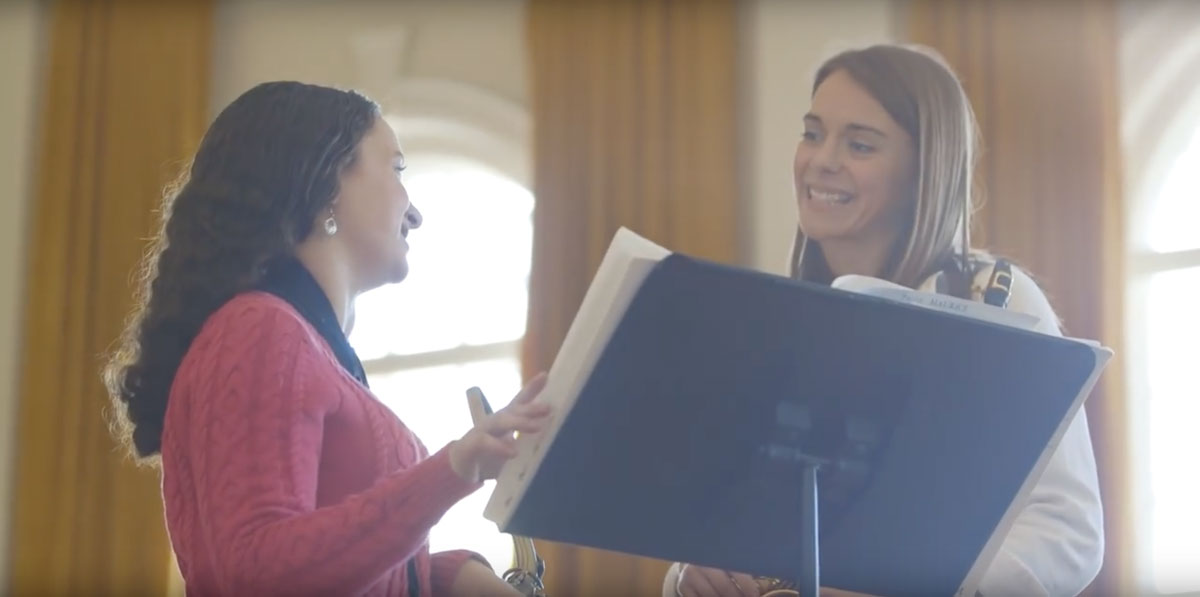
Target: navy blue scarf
(289,280)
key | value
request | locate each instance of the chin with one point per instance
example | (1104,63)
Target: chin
(398,272)
(818,232)
(821,227)
(389,273)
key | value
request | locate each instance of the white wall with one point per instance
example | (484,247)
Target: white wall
(20,44)
(1159,54)
(784,44)
(450,75)
(478,42)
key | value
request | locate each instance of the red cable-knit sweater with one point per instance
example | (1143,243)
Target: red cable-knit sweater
(283,475)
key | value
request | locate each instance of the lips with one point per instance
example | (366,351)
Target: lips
(828,196)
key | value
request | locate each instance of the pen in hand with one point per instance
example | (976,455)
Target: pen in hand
(478,404)
(482,451)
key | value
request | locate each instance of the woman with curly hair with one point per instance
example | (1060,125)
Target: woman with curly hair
(281,472)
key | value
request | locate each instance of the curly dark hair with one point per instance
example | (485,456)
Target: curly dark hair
(267,167)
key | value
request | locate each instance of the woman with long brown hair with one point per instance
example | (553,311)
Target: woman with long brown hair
(883,181)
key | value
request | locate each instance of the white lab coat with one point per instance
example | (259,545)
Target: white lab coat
(1056,544)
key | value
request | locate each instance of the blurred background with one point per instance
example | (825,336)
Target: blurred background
(535,128)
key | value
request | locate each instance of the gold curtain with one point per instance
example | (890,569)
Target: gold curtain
(634,112)
(124,104)
(1042,77)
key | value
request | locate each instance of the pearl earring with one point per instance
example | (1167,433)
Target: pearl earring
(331,227)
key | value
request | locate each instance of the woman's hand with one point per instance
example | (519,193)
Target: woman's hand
(696,581)
(475,579)
(480,453)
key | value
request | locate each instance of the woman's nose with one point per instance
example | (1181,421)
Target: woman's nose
(413,217)
(827,157)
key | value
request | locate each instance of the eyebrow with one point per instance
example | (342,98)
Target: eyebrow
(853,126)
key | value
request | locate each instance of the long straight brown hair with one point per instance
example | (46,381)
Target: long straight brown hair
(923,95)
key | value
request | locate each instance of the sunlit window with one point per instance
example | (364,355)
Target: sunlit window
(1164,328)
(1175,215)
(456,322)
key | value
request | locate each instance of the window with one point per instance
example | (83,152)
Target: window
(1164,325)
(456,322)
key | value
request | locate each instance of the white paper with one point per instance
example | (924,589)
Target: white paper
(938,302)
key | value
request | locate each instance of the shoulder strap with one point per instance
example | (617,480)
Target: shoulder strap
(999,285)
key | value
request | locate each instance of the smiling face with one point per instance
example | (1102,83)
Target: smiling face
(373,212)
(854,169)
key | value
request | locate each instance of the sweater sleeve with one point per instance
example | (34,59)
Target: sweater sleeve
(1056,544)
(257,417)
